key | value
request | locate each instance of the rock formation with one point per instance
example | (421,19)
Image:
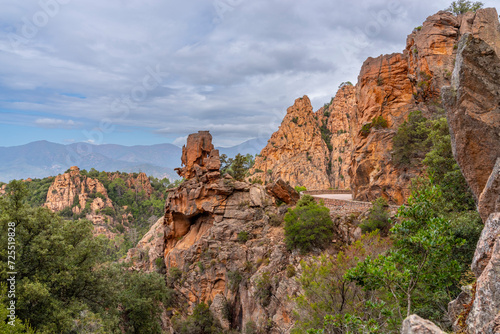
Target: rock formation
(473,111)
(310,149)
(339,146)
(295,153)
(140,183)
(334,119)
(70,187)
(473,104)
(220,233)
(390,87)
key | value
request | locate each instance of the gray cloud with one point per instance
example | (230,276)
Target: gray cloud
(52,123)
(234,73)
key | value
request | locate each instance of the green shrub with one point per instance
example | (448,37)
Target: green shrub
(243,236)
(410,143)
(379,122)
(378,218)
(300,189)
(234,278)
(200,322)
(443,169)
(290,271)
(108,211)
(345,83)
(263,289)
(251,328)
(308,225)
(66,212)
(174,276)
(120,228)
(365,129)
(463,6)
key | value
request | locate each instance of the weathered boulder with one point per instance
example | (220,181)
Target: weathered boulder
(283,191)
(416,325)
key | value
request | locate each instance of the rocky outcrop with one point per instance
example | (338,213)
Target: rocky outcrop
(390,87)
(149,248)
(416,325)
(73,190)
(296,152)
(140,183)
(199,156)
(484,315)
(333,120)
(473,112)
(383,90)
(311,149)
(218,232)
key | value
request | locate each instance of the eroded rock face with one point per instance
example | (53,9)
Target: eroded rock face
(489,200)
(337,116)
(295,153)
(473,111)
(216,231)
(484,316)
(391,86)
(311,149)
(140,183)
(72,186)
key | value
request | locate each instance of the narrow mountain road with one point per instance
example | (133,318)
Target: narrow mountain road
(345,197)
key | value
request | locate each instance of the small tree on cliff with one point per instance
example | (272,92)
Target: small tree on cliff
(308,225)
(464,6)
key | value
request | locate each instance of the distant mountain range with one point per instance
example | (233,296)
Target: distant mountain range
(42,158)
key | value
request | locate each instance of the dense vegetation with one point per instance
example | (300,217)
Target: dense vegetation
(370,288)
(427,142)
(378,218)
(63,283)
(308,226)
(133,211)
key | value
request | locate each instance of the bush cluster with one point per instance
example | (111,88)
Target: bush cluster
(308,226)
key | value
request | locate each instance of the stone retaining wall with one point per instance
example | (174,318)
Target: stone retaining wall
(326,192)
(344,207)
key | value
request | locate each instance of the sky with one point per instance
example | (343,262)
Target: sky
(146,72)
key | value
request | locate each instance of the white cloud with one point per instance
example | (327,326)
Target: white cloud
(52,123)
(234,73)
(180,141)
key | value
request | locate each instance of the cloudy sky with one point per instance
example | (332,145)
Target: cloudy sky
(152,71)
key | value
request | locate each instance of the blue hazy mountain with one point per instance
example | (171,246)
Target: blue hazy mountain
(42,158)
